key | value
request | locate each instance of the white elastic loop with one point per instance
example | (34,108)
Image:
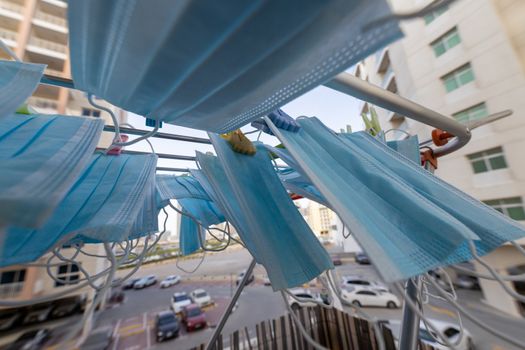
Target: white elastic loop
(8,51)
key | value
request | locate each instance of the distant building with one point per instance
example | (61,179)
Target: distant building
(319,218)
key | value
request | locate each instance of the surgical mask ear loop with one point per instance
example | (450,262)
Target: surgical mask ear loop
(116,138)
(474,319)
(8,51)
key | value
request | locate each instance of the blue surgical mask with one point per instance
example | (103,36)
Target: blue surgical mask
(217,65)
(189,235)
(260,209)
(41,157)
(102,206)
(190,195)
(17,82)
(408,147)
(407,220)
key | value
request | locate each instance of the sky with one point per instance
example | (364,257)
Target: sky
(334,109)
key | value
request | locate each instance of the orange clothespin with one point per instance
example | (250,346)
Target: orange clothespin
(116,150)
(239,142)
(440,137)
(294,196)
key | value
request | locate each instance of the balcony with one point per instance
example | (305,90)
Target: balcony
(8,37)
(43,105)
(382,61)
(10,290)
(47,48)
(11,10)
(50,21)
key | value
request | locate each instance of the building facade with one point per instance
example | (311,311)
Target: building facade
(466,61)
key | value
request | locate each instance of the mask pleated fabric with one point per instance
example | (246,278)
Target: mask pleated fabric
(492,227)
(103,205)
(190,195)
(264,215)
(403,230)
(41,156)
(18,81)
(189,239)
(217,65)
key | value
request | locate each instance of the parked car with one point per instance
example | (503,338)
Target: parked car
(145,282)
(9,319)
(65,308)
(193,317)
(201,297)
(350,282)
(450,330)
(117,297)
(170,281)
(32,340)
(337,261)
(362,259)
(307,298)
(179,301)
(368,297)
(39,313)
(129,284)
(266,281)
(166,325)
(99,339)
(240,276)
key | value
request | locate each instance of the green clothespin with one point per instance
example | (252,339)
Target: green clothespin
(25,109)
(372,124)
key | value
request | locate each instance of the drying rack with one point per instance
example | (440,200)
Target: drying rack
(363,90)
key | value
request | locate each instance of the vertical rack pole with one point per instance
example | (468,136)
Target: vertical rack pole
(228,311)
(410,323)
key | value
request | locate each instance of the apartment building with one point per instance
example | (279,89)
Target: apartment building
(466,61)
(319,218)
(36,31)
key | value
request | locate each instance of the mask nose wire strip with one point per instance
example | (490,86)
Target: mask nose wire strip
(116,138)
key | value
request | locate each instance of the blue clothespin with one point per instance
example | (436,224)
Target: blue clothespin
(280,119)
(152,123)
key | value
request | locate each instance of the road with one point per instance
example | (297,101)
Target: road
(133,320)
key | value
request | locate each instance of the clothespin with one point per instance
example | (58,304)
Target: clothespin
(428,157)
(440,137)
(152,123)
(117,150)
(372,124)
(25,109)
(239,142)
(294,196)
(280,119)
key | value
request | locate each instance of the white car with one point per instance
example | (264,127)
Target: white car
(369,297)
(307,298)
(145,282)
(359,282)
(201,297)
(179,301)
(170,281)
(450,330)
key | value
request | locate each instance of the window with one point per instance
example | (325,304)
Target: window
(435,14)
(446,42)
(491,159)
(68,273)
(459,77)
(88,112)
(476,112)
(365,292)
(11,283)
(512,207)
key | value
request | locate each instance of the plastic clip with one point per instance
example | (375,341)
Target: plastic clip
(440,137)
(117,150)
(152,123)
(280,119)
(428,156)
(239,142)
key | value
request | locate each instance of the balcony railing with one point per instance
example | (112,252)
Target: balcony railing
(12,7)
(10,290)
(59,21)
(49,45)
(8,35)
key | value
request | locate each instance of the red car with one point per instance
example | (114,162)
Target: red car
(193,317)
